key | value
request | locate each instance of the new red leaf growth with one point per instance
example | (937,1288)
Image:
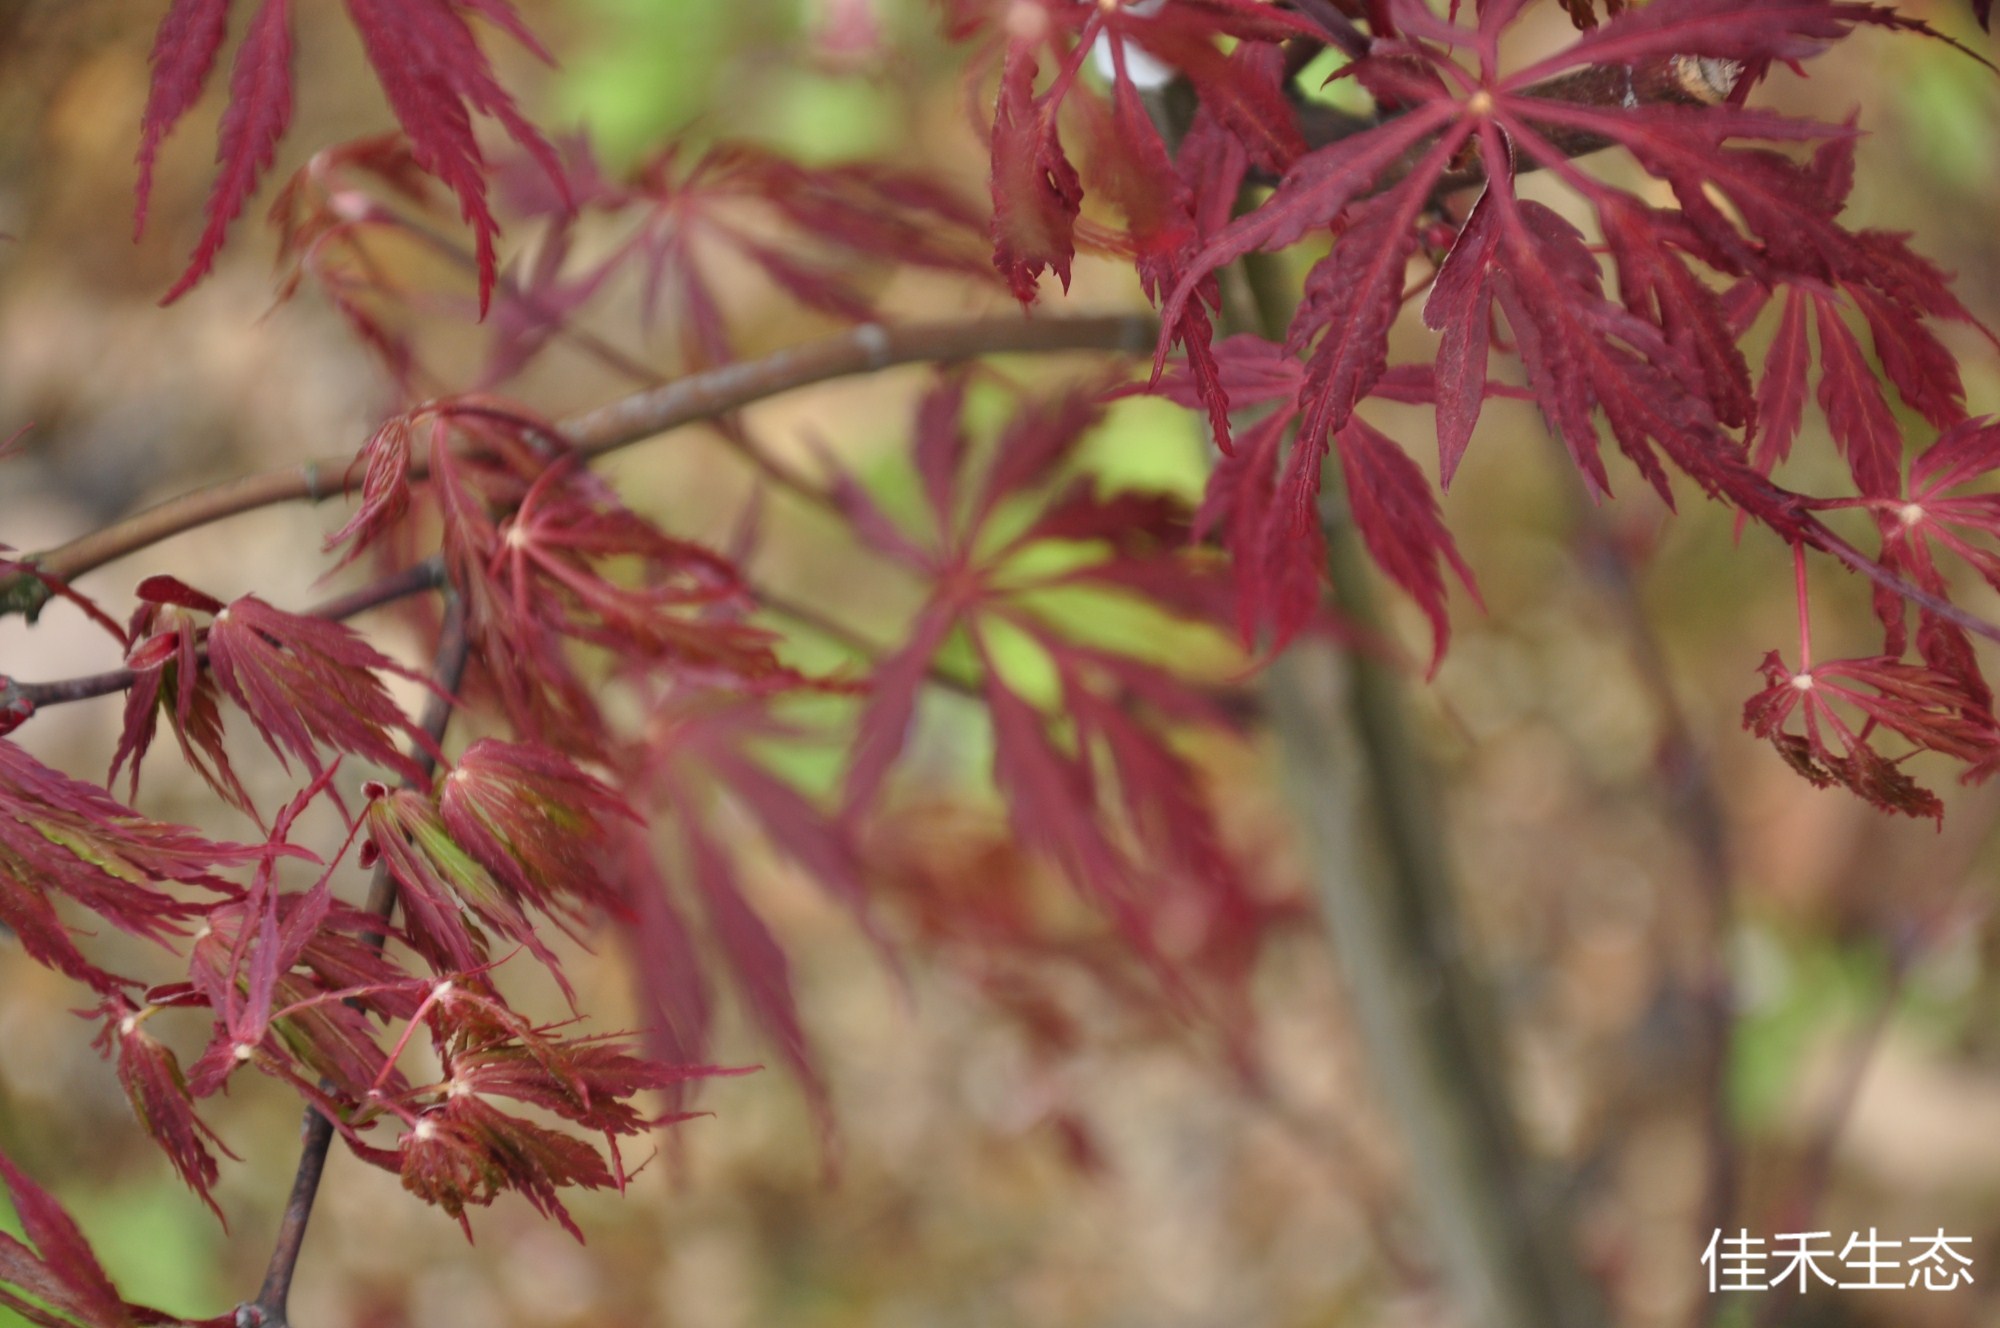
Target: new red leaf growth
(63,838)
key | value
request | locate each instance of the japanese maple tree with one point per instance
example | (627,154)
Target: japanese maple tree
(595,754)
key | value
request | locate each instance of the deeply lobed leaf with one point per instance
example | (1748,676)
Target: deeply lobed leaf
(429,65)
(62,837)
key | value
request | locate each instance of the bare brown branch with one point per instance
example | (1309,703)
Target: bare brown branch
(866,349)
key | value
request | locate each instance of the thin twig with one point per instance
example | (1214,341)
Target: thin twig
(1816,1169)
(702,396)
(1695,809)
(412,580)
(270,1310)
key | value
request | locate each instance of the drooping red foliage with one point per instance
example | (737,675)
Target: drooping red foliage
(1927,707)
(696,765)
(1917,519)
(465,1151)
(627,688)
(63,838)
(458,1149)
(1896,292)
(431,70)
(157,1088)
(1638,328)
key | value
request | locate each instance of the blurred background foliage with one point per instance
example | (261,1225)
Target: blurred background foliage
(1122,1171)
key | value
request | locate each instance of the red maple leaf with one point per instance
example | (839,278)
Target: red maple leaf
(465,1151)
(530,538)
(815,233)
(587,1081)
(158,1091)
(170,677)
(320,1039)
(385,465)
(698,767)
(1922,705)
(459,1149)
(306,683)
(424,55)
(484,1047)
(445,892)
(534,820)
(1896,292)
(251,953)
(62,837)
(548,559)
(1922,516)
(514,827)
(1928,513)
(1657,362)
(1087,772)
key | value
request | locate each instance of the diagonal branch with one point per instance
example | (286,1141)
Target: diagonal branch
(866,349)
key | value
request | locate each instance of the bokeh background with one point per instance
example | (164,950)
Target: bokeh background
(1132,1176)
